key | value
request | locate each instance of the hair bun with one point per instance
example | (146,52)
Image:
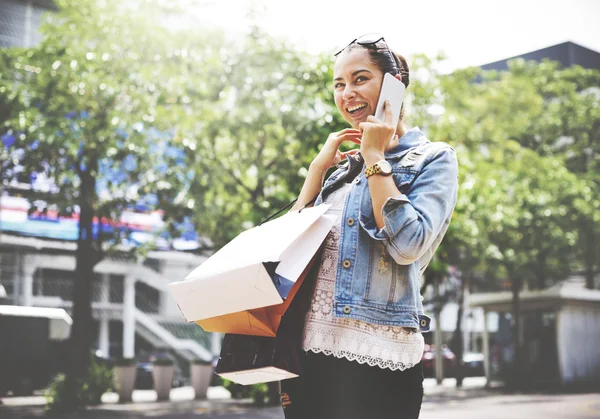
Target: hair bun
(404,70)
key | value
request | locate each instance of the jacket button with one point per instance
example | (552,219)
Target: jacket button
(347,310)
(346,264)
(350,221)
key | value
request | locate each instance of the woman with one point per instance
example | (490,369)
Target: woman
(362,334)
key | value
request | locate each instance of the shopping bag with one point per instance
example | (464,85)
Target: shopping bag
(263,321)
(257,359)
(257,269)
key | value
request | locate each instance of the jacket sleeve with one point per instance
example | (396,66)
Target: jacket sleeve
(413,221)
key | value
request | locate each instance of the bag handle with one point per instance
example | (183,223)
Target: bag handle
(355,165)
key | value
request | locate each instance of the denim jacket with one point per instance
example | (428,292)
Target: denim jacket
(378,270)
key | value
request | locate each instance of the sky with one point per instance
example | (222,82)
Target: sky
(468,32)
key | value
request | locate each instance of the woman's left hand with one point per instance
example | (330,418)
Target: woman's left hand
(376,135)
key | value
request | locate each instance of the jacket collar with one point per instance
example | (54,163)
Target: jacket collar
(411,139)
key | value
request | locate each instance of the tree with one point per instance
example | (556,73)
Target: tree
(250,156)
(85,106)
(569,129)
(517,212)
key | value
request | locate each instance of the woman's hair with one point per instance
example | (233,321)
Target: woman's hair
(378,53)
(381,58)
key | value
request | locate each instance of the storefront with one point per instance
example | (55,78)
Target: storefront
(559,333)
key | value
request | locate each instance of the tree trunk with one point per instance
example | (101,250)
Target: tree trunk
(516,377)
(540,270)
(81,338)
(457,338)
(589,251)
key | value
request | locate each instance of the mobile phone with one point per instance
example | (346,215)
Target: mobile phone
(392,89)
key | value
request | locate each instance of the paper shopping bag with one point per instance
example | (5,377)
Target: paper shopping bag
(256,269)
(263,321)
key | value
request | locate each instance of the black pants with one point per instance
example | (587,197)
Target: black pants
(333,388)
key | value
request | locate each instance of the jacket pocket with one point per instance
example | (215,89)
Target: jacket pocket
(387,282)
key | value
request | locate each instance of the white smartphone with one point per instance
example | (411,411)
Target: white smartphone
(392,89)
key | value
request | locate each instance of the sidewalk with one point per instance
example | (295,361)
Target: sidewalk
(472,401)
(144,404)
(472,387)
(182,403)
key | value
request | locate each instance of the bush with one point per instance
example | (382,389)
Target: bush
(90,389)
(100,380)
(237,391)
(259,393)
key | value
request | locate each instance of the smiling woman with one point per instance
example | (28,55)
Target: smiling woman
(362,336)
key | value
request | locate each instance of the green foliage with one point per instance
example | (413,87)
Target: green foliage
(90,388)
(87,111)
(259,393)
(237,391)
(256,138)
(527,143)
(82,102)
(521,200)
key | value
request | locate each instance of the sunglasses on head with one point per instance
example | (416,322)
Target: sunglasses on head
(368,40)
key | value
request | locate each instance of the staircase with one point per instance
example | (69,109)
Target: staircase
(160,337)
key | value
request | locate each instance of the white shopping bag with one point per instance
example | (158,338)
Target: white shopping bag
(256,269)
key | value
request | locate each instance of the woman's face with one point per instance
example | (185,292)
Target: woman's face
(356,85)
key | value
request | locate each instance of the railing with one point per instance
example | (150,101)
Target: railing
(188,348)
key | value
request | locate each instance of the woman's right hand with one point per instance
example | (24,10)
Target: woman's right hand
(330,154)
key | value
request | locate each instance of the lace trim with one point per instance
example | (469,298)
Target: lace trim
(400,352)
(361,359)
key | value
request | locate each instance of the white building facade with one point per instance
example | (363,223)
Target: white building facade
(132,308)
(559,332)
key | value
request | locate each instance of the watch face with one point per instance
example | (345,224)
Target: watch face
(385,167)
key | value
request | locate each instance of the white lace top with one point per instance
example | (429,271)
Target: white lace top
(396,348)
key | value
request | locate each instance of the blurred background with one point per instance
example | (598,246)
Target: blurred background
(137,137)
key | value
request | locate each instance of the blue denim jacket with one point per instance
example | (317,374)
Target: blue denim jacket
(378,270)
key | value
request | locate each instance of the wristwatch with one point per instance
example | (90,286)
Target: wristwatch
(382,167)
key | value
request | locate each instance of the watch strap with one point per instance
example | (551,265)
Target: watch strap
(377,169)
(370,171)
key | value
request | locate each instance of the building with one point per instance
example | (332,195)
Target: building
(132,308)
(567,54)
(19,20)
(560,330)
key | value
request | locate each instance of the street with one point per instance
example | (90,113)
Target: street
(471,402)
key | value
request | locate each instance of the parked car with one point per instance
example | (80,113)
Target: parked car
(144,365)
(473,364)
(428,360)
(33,347)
